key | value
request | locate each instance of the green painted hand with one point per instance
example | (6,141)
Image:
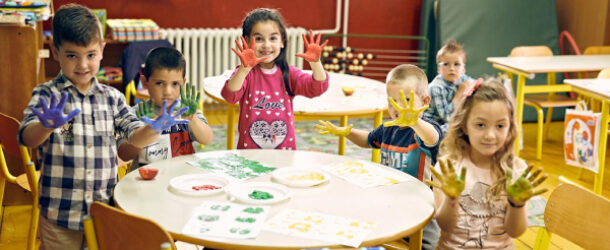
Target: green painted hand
(146,109)
(190,99)
(407,115)
(523,188)
(451,184)
(327,127)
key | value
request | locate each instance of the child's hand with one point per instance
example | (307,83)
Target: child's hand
(53,116)
(407,116)
(166,120)
(313,49)
(523,188)
(327,127)
(146,109)
(451,184)
(246,55)
(189,100)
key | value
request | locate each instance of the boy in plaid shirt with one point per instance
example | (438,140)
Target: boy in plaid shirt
(78,155)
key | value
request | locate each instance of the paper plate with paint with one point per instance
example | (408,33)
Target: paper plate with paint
(198,184)
(300,177)
(258,193)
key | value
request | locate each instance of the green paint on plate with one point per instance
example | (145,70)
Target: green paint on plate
(260,195)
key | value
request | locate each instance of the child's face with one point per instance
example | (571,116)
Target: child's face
(268,41)
(393,91)
(164,84)
(487,127)
(451,67)
(79,63)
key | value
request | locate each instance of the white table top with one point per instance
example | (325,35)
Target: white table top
(598,86)
(399,209)
(546,64)
(369,95)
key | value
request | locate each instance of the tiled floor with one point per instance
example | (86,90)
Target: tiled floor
(16,218)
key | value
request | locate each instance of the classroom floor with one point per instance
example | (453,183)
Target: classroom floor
(16,218)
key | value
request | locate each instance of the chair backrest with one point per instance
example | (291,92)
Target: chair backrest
(116,229)
(9,127)
(597,50)
(579,216)
(605,74)
(133,57)
(531,51)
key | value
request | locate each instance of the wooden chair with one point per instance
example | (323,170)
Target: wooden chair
(577,215)
(107,227)
(9,127)
(540,101)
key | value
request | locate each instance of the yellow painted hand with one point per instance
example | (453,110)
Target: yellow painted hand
(407,115)
(523,188)
(451,184)
(327,127)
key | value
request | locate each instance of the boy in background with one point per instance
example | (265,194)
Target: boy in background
(447,88)
(78,155)
(410,143)
(164,77)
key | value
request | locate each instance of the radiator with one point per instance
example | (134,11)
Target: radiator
(208,51)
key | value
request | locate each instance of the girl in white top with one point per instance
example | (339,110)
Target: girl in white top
(482,208)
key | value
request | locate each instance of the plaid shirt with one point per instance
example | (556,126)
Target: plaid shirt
(79,160)
(441,96)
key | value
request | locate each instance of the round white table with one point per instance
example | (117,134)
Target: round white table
(369,98)
(399,210)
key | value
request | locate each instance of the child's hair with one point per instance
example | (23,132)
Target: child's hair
(451,47)
(76,24)
(164,58)
(408,72)
(456,141)
(263,15)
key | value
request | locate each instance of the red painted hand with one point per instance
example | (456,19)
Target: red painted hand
(313,49)
(246,55)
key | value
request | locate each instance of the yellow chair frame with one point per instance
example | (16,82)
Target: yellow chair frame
(30,174)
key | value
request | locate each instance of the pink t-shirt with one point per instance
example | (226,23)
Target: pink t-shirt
(480,224)
(266,118)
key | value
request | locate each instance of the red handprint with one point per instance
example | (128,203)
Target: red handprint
(313,49)
(246,55)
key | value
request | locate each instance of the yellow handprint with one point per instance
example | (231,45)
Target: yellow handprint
(327,127)
(523,188)
(451,184)
(408,115)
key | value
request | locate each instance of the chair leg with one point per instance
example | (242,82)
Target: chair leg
(542,239)
(549,117)
(540,132)
(33,227)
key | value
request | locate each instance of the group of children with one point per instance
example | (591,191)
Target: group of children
(468,125)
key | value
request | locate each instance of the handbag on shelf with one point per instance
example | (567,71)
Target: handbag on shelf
(581,137)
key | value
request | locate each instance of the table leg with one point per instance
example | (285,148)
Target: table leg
(415,239)
(376,157)
(342,123)
(519,111)
(603,140)
(230,126)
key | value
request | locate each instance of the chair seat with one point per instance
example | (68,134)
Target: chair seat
(557,101)
(22,181)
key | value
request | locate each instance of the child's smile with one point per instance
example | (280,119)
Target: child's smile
(267,42)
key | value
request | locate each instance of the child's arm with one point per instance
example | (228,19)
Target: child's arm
(357,136)
(248,60)
(426,132)
(447,188)
(313,50)
(518,193)
(201,131)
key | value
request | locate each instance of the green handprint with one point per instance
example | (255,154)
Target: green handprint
(451,184)
(408,115)
(190,99)
(146,109)
(523,188)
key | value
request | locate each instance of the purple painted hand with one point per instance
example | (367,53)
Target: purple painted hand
(166,119)
(52,115)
